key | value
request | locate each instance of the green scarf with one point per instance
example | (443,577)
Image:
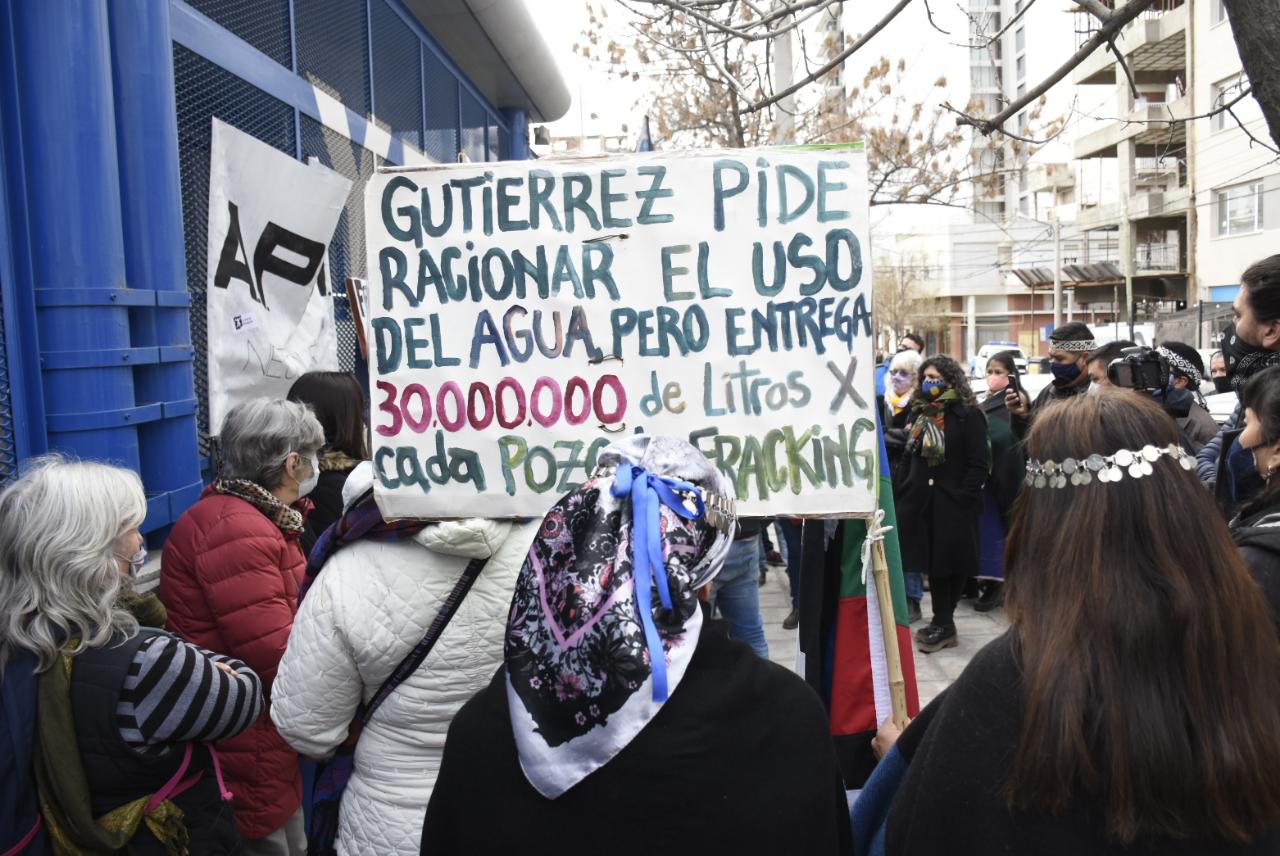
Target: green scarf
(64,789)
(926,431)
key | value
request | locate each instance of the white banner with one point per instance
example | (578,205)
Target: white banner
(269,290)
(525,312)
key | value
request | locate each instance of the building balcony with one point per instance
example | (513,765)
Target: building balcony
(1157,259)
(1148,205)
(1154,128)
(1090,217)
(1154,45)
(1174,202)
(1050,176)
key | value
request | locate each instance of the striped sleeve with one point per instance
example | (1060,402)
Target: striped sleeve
(175,692)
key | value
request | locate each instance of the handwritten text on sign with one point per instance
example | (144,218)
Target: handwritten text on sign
(524,312)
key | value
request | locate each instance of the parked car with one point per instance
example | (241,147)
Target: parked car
(978,365)
(1221,406)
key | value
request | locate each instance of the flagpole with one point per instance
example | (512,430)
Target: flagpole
(889,630)
(884,597)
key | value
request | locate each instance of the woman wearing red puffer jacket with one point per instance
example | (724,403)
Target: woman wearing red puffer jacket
(229,578)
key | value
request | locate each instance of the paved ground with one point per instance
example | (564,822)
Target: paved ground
(933,671)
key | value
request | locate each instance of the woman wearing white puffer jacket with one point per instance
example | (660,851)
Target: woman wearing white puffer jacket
(373,603)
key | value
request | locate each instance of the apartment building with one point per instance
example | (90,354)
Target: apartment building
(1236,181)
(1189,196)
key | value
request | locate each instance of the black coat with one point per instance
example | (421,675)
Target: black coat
(738,760)
(960,754)
(327,497)
(938,508)
(1258,536)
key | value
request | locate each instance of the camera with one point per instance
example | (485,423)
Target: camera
(1140,368)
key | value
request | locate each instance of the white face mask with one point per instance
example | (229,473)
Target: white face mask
(309,483)
(136,561)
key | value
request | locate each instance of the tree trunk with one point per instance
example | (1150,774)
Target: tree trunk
(1255,24)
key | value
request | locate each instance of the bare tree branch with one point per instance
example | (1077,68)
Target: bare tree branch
(928,10)
(1248,133)
(1096,9)
(1128,72)
(835,62)
(1017,17)
(1117,21)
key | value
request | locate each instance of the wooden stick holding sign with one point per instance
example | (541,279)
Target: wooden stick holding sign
(888,628)
(358,300)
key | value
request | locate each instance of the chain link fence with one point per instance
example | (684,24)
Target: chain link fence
(8,449)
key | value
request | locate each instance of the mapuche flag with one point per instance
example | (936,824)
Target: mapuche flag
(841,635)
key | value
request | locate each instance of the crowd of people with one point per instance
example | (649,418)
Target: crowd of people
(599,678)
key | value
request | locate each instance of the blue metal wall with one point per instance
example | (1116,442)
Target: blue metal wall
(102,316)
(369,54)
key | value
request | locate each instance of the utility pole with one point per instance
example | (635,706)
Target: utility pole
(784,128)
(1057,272)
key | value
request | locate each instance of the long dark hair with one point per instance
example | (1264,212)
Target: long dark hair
(952,375)
(1261,394)
(1150,661)
(338,402)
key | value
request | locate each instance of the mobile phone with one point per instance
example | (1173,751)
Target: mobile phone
(1013,382)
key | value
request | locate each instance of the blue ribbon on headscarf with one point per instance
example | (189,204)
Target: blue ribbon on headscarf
(648,494)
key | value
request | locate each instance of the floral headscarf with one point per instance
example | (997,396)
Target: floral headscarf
(580,685)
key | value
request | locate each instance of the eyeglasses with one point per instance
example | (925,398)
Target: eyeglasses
(899,374)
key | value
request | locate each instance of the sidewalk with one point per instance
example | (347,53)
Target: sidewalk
(934,672)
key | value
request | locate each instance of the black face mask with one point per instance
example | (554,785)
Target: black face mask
(1222,384)
(1244,360)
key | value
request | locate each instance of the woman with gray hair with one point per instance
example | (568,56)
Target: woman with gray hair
(116,740)
(229,578)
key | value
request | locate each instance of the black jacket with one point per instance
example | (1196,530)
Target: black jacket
(1258,537)
(960,752)
(327,497)
(738,760)
(938,508)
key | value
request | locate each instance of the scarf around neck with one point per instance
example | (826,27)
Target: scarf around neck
(592,605)
(288,518)
(898,402)
(926,431)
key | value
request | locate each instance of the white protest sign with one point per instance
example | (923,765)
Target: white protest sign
(525,312)
(270,306)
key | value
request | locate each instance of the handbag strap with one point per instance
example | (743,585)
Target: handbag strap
(414,658)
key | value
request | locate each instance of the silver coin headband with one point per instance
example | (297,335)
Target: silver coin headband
(1106,468)
(1078,346)
(1182,364)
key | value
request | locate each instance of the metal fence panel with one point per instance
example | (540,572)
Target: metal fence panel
(8,447)
(204,90)
(262,23)
(441,96)
(397,74)
(333,49)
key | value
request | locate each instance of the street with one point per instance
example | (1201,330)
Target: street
(934,672)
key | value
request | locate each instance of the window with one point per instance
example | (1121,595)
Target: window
(1217,12)
(1223,92)
(1239,209)
(984,77)
(1022,68)
(1022,89)
(1020,39)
